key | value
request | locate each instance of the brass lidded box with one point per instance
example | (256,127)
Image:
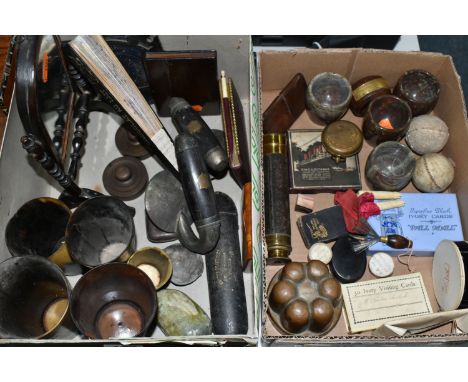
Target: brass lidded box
(342,139)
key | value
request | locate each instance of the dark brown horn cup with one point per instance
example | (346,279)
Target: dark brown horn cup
(114,301)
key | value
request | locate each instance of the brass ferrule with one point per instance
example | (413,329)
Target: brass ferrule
(278,247)
(384,239)
(274,143)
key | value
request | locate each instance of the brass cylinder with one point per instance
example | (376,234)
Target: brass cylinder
(274,143)
(276,186)
(279,248)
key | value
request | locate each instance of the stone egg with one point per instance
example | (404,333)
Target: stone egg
(390,166)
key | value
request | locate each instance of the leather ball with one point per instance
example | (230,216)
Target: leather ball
(433,173)
(427,134)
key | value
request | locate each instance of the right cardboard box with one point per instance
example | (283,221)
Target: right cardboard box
(273,71)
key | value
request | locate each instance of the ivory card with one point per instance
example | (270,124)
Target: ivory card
(369,304)
(426,219)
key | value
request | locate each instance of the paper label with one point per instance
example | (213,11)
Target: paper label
(164,144)
(370,304)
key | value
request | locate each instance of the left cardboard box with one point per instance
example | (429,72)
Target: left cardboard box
(27,180)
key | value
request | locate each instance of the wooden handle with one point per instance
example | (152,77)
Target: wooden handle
(398,242)
(247,225)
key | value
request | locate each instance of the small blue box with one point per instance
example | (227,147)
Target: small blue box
(426,219)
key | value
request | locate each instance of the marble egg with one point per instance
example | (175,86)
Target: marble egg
(328,96)
(390,166)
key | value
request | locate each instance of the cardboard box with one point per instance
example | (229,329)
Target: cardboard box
(275,69)
(23,179)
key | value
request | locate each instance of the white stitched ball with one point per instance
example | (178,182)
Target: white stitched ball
(427,134)
(433,173)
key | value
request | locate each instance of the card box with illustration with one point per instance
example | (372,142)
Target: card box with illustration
(312,168)
(426,219)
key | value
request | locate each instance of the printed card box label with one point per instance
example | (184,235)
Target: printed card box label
(426,219)
(370,304)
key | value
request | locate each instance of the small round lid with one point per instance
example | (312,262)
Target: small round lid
(128,144)
(448,275)
(346,265)
(381,264)
(125,178)
(320,251)
(342,138)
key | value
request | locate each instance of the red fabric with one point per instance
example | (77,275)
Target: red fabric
(349,202)
(366,197)
(355,207)
(367,207)
(367,210)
